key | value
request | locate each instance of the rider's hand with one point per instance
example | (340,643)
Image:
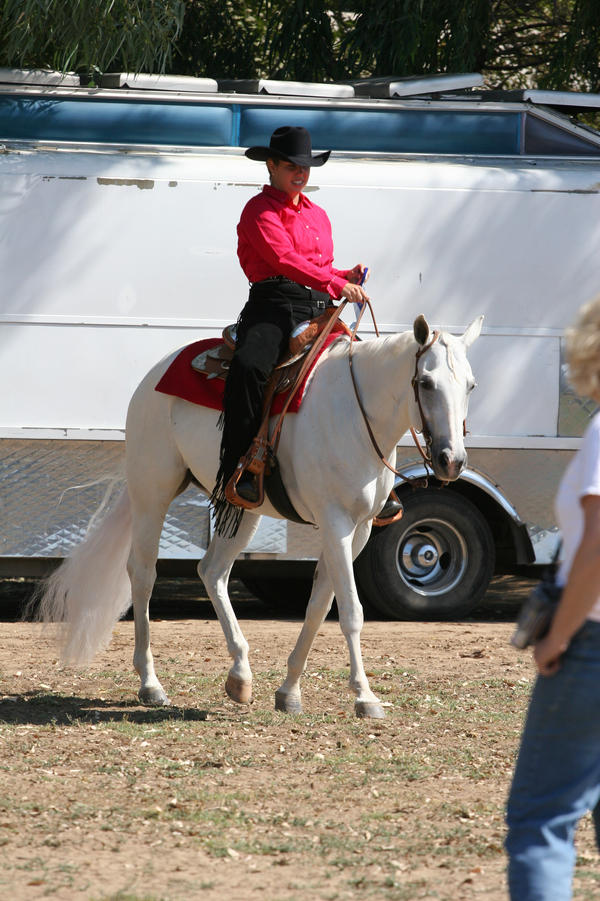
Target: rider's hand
(355,275)
(354,293)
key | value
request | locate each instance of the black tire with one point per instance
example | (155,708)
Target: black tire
(435,563)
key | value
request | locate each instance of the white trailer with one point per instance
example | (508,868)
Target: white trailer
(118,208)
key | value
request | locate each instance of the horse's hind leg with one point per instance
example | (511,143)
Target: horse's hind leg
(148,515)
(141,566)
(214,570)
(156,473)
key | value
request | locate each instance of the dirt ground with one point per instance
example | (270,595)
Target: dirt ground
(101,798)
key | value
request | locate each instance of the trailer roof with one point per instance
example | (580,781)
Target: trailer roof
(416,85)
(437,115)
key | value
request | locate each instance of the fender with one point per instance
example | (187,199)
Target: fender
(488,497)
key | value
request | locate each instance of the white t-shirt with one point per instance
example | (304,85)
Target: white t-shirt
(582,477)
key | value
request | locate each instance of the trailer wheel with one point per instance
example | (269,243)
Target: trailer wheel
(436,562)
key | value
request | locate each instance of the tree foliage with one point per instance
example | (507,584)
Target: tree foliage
(224,39)
(89,35)
(410,37)
(576,56)
(301,40)
(537,43)
(549,44)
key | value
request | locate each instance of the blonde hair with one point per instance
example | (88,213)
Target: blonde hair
(583,350)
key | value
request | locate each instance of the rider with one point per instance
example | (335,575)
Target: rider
(285,248)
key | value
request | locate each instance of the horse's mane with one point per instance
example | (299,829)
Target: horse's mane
(377,346)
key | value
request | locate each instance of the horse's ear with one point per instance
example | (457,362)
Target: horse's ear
(472,331)
(421,330)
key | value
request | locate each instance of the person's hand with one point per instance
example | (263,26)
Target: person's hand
(547,654)
(355,275)
(354,293)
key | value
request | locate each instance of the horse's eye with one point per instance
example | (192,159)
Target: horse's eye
(426,383)
(471,386)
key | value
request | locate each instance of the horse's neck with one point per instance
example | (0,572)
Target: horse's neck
(384,368)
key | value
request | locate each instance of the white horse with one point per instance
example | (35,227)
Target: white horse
(333,476)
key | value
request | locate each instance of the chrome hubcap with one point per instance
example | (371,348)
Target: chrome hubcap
(431,557)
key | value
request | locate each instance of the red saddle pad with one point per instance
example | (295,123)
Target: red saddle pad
(180,380)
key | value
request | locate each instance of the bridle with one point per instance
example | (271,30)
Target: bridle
(308,361)
(424,452)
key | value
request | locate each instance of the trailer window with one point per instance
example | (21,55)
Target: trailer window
(544,139)
(115,121)
(476,131)
(391,131)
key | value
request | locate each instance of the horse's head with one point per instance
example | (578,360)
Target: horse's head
(443,382)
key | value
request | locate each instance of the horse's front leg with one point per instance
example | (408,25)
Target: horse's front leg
(338,541)
(288,696)
(214,570)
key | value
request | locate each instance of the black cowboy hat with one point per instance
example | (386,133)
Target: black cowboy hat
(291,143)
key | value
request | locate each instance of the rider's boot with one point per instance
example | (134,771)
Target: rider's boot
(391,512)
(247,487)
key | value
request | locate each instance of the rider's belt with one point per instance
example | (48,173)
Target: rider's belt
(281,279)
(317,303)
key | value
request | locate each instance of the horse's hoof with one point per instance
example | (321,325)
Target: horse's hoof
(287,704)
(239,690)
(153,697)
(370,709)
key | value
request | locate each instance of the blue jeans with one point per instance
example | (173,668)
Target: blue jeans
(557,776)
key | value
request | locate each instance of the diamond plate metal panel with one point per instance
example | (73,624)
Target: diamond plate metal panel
(48,496)
(574,412)
(50,489)
(269,538)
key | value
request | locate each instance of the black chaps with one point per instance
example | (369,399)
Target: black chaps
(274,308)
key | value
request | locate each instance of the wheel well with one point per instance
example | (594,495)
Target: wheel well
(511,539)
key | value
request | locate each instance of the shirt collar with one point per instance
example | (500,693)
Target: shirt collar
(283,198)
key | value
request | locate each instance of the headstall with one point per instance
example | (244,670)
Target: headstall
(425,453)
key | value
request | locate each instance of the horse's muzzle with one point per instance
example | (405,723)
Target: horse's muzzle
(448,466)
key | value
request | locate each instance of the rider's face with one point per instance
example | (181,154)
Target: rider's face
(288,177)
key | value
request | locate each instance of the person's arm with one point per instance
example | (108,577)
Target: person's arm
(579,595)
(271,241)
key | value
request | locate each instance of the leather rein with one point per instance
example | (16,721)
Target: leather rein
(426,452)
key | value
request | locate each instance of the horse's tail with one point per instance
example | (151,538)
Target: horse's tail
(90,590)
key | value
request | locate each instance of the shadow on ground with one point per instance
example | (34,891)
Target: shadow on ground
(42,708)
(185,598)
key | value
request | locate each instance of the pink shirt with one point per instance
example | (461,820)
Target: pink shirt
(278,237)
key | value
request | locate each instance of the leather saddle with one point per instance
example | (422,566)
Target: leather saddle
(305,343)
(214,363)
